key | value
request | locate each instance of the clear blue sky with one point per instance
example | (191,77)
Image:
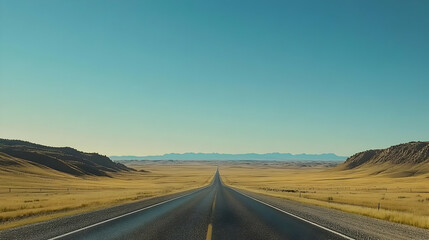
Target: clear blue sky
(152,77)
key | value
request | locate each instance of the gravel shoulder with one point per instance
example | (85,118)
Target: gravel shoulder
(352,225)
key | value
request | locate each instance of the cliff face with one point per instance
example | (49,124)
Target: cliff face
(63,159)
(407,153)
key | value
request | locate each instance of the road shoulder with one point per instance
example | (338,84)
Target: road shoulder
(60,226)
(353,225)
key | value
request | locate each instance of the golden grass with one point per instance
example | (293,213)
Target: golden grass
(38,194)
(403,198)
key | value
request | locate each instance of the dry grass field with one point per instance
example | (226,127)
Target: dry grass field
(30,194)
(403,195)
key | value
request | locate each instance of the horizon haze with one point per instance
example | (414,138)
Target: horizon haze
(242,156)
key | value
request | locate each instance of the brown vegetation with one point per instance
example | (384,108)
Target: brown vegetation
(401,196)
(30,193)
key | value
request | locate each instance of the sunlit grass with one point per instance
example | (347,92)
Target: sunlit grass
(402,199)
(42,194)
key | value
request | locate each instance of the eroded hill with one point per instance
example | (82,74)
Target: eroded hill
(15,153)
(412,153)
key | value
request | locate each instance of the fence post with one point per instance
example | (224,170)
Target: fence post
(378,206)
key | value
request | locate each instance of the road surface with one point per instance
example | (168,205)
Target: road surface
(214,212)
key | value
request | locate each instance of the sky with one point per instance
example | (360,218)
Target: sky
(154,77)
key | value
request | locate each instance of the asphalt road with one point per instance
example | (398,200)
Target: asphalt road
(214,212)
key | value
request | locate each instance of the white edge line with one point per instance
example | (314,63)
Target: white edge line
(126,214)
(293,215)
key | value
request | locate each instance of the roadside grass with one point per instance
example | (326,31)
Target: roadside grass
(29,194)
(402,199)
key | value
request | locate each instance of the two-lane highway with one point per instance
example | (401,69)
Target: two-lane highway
(214,212)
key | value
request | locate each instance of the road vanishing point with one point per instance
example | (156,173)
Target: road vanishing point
(214,212)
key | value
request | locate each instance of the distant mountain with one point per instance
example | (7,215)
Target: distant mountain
(412,153)
(63,159)
(223,156)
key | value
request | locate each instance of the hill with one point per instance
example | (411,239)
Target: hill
(16,153)
(412,153)
(223,156)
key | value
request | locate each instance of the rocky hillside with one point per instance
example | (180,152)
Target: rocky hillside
(63,159)
(407,153)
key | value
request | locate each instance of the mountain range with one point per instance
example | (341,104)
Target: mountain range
(224,156)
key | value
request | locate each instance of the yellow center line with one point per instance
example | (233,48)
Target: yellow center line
(214,203)
(210,228)
(209,232)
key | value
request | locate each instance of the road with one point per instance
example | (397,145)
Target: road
(214,212)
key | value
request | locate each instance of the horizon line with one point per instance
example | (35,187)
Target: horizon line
(227,154)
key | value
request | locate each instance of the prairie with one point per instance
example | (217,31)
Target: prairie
(397,193)
(30,194)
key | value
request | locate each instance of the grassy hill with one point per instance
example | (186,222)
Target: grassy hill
(406,153)
(16,153)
